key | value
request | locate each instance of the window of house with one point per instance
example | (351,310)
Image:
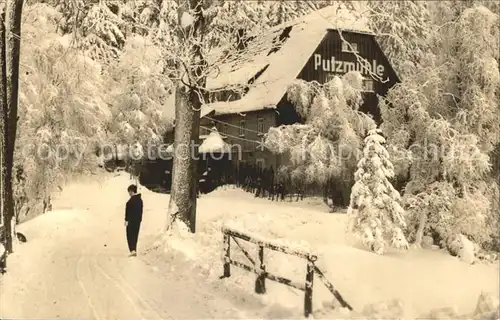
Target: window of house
(225,128)
(368,85)
(349,47)
(260,164)
(330,76)
(242,128)
(260,126)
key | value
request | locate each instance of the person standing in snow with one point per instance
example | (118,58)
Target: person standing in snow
(133,218)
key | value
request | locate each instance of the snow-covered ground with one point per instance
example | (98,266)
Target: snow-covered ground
(422,280)
(75,265)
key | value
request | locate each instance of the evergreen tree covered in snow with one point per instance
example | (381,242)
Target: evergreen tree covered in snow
(233,21)
(100,28)
(97,28)
(375,212)
(282,11)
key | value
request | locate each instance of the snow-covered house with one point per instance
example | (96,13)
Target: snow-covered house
(328,42)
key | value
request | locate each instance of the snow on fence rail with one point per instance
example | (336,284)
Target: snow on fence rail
(260,269)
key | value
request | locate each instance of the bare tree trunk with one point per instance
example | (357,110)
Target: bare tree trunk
(195,137)
(187,122)
(12,53)
(184,173)
(3,108)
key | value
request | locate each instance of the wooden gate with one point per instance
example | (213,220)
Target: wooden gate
(263,274)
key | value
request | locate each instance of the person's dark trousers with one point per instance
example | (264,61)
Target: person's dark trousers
(133,235)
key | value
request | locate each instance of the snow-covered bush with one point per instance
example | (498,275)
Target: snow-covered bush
(375,212)
(462,247)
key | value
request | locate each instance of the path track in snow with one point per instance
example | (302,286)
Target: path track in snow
(75,265)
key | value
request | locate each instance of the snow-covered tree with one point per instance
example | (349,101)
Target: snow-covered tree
(402,29)
(62,110)
(233,15)
(441,122)
(328,142)
(375,212)
(281,11)
(140,101)
(101,28)
(140,94)
(97,27)
(10,48)
(233,21)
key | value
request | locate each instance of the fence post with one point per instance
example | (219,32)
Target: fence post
(260,283)
(309,288)
(227,255)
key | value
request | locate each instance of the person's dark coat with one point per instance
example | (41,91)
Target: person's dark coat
(133,209)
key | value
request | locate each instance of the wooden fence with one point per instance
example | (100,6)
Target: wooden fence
(263,274)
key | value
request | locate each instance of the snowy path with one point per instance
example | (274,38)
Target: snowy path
(75,265)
